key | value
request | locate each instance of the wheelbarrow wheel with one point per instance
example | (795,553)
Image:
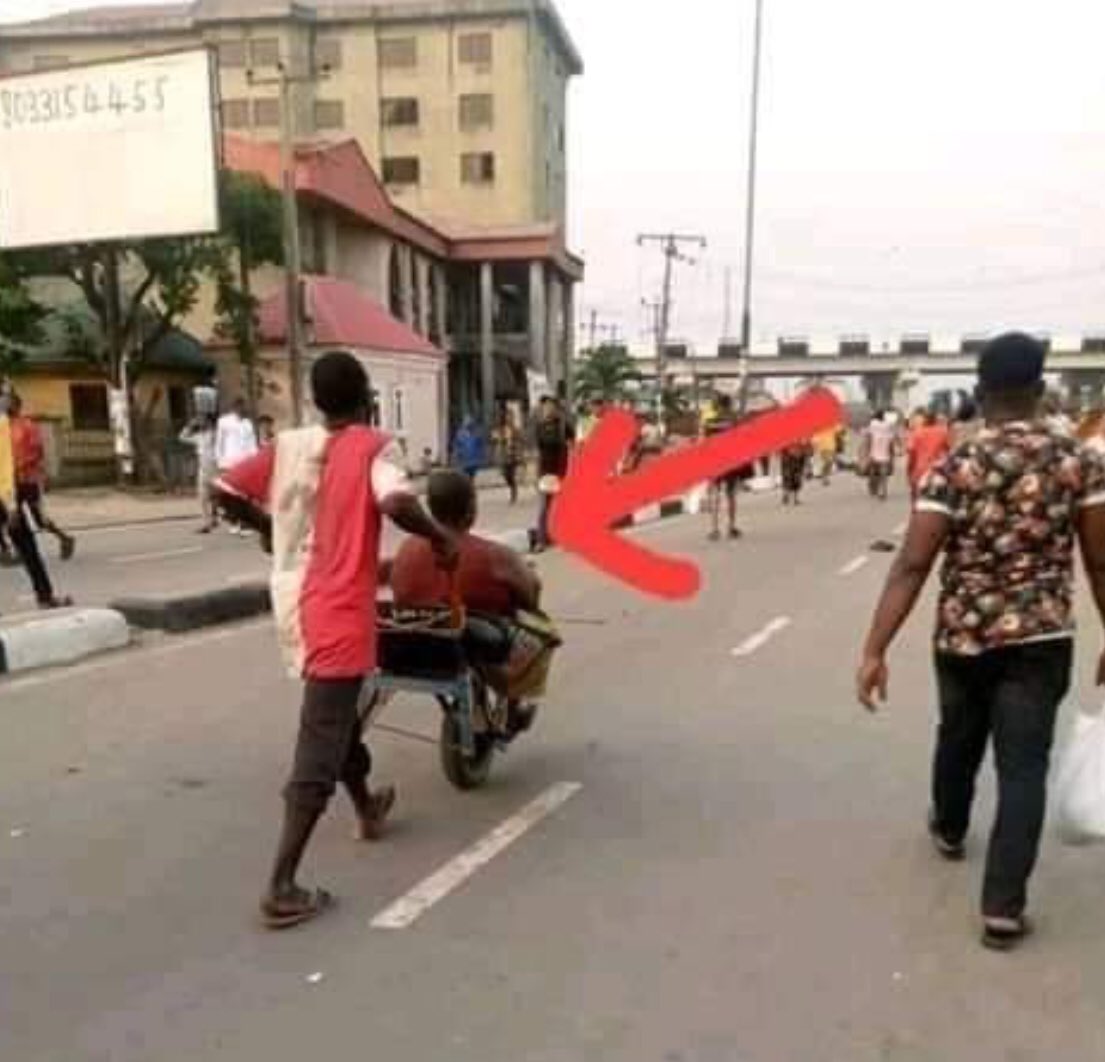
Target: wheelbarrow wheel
(466,772)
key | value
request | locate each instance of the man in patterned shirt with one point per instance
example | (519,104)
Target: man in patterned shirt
(1005,507)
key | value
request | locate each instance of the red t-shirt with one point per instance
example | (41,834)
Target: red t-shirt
(28,450)
(337,554)
(928,445)
(418,582)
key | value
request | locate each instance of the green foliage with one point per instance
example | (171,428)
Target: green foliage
(20,316)
(606,374)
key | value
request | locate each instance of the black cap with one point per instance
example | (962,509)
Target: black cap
(1011,362)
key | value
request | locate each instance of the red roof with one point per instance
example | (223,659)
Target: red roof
(341,315)
(341,174)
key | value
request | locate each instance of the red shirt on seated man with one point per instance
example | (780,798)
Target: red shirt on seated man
(492,578)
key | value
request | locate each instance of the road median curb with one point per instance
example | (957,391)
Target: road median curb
(189,612)
(61,638)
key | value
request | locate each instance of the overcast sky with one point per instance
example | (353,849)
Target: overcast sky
(935,166)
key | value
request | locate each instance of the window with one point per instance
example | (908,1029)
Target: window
(402,170)
(477,111)
(398,410)
(475,48)
(88,407)
(329,114)
(232,54)
(400,111)
(50,62)
(398,53)
(235,114)
(328,53)
(264,51)
(477,168)
(266,112)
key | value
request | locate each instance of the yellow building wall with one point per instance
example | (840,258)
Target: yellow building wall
(525,77)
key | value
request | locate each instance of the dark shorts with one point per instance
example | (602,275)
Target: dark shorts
(329,748)
(731,481)
(29,496)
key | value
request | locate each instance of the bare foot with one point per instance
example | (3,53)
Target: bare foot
(371,825)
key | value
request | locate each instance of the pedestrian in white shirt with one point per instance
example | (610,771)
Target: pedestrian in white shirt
(235,440)
(200,434)
(881,438)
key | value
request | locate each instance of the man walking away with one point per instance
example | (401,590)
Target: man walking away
(730,484)
(929,444)
(553,438)
(881,436)
(1005,508)
(326,488)
(30,475)
(511,453)
(235,441)
(201,434)
(15,520)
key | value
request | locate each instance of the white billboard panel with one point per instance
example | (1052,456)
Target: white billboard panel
(111,151)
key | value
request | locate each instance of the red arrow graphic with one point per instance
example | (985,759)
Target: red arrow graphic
(592,499)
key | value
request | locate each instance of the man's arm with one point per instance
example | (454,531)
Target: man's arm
(1091,537)
(515,573)
(927,533)
(406,512)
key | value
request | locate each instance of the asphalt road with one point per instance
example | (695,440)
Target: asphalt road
(743,875)
(171,558)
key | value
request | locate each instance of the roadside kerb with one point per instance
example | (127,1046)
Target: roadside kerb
(61,638)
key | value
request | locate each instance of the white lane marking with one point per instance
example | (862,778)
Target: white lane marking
(132,657)
(137,558)
(762,637)
(411,906)
(854,566)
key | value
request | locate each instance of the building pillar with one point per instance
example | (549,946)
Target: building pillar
(487,343)
(422,279)
(441,302)
(568,338)
(552,308)
(537,316)
(406,283)
(331,248)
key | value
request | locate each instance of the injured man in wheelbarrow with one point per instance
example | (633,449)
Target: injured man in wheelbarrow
(317,497)
(507,637)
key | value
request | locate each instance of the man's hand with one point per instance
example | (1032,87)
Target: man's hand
(873,678)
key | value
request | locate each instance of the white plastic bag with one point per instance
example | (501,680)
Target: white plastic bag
(1081,785)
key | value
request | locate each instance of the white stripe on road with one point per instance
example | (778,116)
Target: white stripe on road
(761,638)
(410,907)
(854,566)
(137,558)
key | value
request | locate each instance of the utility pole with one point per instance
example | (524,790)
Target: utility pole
(670,244)
(285,81)
(728,321)
(592,329)
(750,217)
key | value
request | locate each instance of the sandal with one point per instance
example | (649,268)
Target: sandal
(295,910)
(1005,934)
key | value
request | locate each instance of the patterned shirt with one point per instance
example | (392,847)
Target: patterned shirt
(1012,494)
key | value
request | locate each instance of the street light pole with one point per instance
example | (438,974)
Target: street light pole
(293,264)
(750,216)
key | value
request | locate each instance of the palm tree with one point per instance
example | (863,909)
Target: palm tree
(606,374)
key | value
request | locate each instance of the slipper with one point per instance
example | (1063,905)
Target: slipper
(1005,934)
(286,914)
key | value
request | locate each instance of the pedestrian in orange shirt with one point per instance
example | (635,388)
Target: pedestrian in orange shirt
(30,474)
(929,443)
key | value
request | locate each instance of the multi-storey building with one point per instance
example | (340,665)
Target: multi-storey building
(457,106)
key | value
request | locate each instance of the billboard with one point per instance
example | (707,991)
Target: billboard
(111,151)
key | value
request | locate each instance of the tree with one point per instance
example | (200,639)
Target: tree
(20,316)
(252,236)
(606,374)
